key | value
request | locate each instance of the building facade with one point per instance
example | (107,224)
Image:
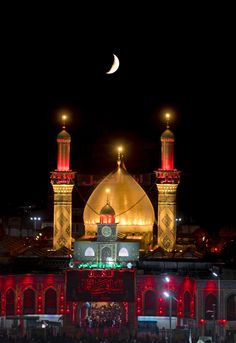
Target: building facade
(113,269)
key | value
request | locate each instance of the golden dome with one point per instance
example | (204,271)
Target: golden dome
(133,209)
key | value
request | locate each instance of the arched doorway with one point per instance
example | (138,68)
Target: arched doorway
(231,307)
(106,253)
(50,305)
(29,301)
(210,307)
(10,302)
(150,303)
(187,305)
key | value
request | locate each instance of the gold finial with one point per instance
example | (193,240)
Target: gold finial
(108,191)
(119,149)
(167,120)
(64,117)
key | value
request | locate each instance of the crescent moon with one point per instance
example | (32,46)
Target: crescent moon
(115,65)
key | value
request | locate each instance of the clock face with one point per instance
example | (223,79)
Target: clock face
(106,231)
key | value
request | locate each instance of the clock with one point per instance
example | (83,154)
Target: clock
(106,231)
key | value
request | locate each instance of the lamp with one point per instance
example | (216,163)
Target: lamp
(171,296)
(35,219)
(216,274)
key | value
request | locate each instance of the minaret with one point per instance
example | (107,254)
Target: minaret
(167,182)
(62,180)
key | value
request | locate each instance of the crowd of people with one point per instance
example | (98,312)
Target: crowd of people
(106,315)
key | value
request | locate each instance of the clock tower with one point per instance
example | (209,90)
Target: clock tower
(107,226)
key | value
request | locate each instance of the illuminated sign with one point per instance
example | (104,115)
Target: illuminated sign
(100,285)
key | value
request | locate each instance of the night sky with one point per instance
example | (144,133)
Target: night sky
(183,64)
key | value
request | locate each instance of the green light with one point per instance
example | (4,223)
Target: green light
(100,265)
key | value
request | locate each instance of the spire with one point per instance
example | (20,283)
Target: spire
(167,120)
(63,143)
(107,192)
(119,149)
(167,147)
(64,117)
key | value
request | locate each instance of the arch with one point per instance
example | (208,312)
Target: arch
(187,305)
(50,301)
(89,252)
(29,302)
(173,306)
(210,307)
(106,252)
(231,307)
(10,302)
(123,252)
(150,303)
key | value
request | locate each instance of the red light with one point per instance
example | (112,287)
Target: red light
(222,321)
(202,321)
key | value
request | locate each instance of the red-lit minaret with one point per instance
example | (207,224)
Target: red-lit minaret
(167,182)
(62,180)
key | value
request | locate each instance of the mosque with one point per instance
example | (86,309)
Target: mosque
(115,275)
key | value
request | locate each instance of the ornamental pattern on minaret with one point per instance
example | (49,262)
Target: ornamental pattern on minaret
(167,182)
(62,180)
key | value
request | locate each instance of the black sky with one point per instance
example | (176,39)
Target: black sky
(183,62)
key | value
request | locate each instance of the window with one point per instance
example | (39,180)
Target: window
(89,252)
(123,252)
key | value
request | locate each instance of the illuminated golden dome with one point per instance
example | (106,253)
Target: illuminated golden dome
(133,209)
